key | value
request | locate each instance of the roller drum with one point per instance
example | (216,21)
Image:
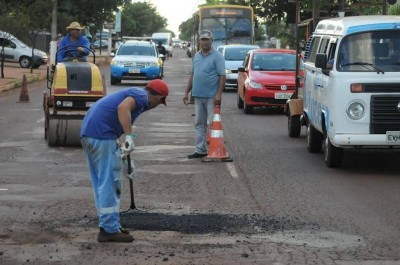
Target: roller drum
(64,131)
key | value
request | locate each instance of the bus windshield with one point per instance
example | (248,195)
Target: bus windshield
(229,30)
(375,51)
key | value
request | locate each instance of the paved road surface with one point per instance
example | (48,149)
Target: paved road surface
(275,204)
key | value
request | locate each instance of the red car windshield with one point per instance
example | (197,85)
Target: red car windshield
(274,62)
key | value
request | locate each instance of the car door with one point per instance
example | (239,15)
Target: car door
(9,49)
(242,76)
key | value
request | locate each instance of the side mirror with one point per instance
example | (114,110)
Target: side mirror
(12,44)
(242,69)
(320,61)
(112,54)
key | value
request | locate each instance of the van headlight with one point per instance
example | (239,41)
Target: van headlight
(355,110)
(228,71)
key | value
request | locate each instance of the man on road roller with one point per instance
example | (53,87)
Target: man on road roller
(105,122)
(75,85)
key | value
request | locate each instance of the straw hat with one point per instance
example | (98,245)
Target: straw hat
(74,25)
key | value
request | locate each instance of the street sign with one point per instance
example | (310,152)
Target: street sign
(109,25)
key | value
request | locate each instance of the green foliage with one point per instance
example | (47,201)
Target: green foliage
(394,9)
(141,19)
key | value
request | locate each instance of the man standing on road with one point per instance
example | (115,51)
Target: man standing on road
(72,43)
(104,123)
(161,50)
(207,82)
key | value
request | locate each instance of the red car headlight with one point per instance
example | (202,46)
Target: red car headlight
(255,85)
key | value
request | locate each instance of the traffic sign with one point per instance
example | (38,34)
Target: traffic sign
(109,25)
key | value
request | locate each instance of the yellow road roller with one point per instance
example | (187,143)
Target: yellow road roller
(74,85)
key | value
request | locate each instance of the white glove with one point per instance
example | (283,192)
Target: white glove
(129,144)
(129,174)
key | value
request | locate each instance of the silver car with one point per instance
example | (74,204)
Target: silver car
(18,52)
(234,55)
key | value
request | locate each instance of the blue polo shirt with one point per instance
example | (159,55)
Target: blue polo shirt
(206,71)
(101,121)
(66,41)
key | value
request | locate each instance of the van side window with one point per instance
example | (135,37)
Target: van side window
(314,48)
(324,45)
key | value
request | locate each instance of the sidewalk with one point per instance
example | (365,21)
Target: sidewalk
(14,74)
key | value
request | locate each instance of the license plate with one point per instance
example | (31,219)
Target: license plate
(393,137)
(283,95)
(134,71)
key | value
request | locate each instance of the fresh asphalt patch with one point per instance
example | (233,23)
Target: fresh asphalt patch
(203,223)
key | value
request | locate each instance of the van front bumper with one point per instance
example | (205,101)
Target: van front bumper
(363,141)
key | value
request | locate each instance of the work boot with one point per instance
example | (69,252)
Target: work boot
(114,237)
(196,155)
(121,229)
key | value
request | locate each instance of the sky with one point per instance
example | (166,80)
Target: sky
(175,11)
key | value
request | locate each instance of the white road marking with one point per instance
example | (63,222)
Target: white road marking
(3,189)
(232,170)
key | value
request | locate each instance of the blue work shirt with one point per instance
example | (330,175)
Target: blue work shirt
(72,45)
(101,121)
(206,71)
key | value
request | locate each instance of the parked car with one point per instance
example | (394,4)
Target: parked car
(97,44)
(18,52)
(267,78)
(136,60)
(234,55)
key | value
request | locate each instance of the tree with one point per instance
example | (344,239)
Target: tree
(141,19)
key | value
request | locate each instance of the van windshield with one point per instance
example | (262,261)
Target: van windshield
(164,41)
(375,51)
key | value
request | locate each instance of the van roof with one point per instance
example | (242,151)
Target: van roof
(352,24)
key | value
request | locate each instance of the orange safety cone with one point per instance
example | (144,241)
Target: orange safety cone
(24,97)
(208,133)
(217,151)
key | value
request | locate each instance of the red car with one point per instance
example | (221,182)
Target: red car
(267,78)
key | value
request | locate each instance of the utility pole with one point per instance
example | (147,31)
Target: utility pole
(53,43)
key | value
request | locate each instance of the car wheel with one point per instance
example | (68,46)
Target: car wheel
(239,102)
(25,62)
(115,81)
(294,125)
(314,139)
(332,155)
(247,109)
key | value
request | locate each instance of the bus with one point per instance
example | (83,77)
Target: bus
(230,24)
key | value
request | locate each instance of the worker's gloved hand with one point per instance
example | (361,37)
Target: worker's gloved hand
(129,173)
(129,144)
(80,49)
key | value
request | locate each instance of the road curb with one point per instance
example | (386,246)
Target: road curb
(32,78)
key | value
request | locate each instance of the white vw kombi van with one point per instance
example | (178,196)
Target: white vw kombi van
(351,93)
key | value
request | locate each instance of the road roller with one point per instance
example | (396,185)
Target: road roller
(73,86)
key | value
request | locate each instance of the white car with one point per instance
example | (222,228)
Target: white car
(136,60)
(18,52)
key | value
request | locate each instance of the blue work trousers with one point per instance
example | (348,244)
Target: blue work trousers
(104,160)
(204,111)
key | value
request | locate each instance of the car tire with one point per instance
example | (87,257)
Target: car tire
(333,155)
(247,109)
(239,102)
(294,125)
(115,81)
(25,62)
(314,139)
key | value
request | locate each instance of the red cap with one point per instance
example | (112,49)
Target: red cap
(159,86)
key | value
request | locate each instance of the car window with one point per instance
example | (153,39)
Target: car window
(237,54)
(275,62)
(137,50)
